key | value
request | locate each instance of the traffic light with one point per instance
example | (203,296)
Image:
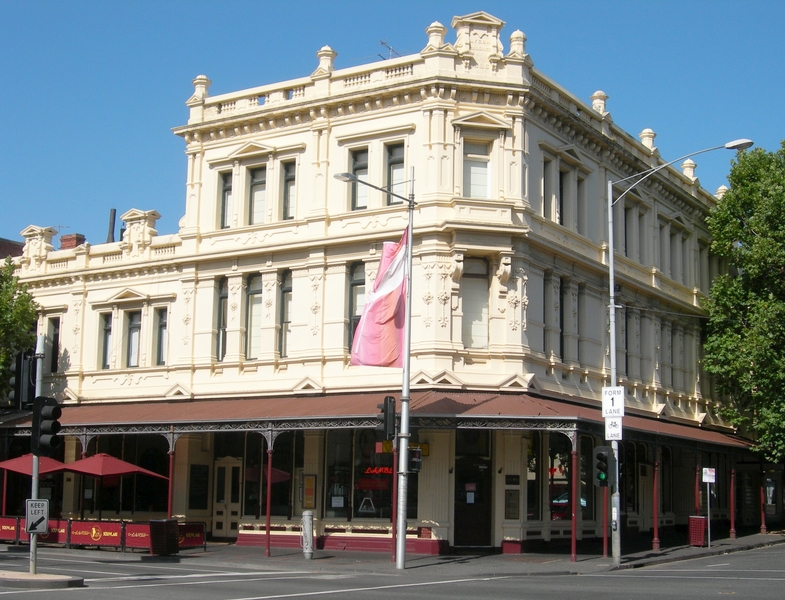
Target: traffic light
(20,386)
(604,473)
(45,440)
(415,460)
(387,417)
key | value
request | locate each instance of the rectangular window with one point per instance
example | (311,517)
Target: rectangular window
(253,325)
(134,322)
(474,301)
(289,190)
(360,171)
(476,168)
(106,340)
(562,200)
(395,177)
(286,314)
(222,316)
(257,196)
(54,337)
(356,298)
(547,188)
(161,317)
(226,200)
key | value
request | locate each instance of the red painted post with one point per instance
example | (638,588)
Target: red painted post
(394,502)
(5,487)
(655,543)
(762,506)
(605,522)
(733,504)
(574,532)
(697,491)
(269,490)
(171,485)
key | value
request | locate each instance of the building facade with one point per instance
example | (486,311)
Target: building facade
(213,352)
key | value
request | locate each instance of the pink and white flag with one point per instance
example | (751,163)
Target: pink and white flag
(378,340)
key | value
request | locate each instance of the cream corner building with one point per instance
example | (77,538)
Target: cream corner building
(206,353)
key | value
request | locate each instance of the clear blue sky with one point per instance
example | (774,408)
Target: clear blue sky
(90,89)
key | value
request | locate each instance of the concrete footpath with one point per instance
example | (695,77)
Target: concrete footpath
(552,559)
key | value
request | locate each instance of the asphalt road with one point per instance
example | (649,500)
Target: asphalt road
(754,574)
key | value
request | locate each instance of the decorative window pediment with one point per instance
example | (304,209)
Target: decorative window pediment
(129,297)
(481,120)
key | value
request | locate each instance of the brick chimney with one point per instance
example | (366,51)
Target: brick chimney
(71,240)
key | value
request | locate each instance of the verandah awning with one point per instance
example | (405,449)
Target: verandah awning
(428,408)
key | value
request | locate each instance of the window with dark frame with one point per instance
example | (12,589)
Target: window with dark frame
(395,176)
(257,196)
(285,314)
(222,316)
(54,335)
(356,297)
(106,340)
(289,189)
(161,316)
(360,171)
(226,200)
(134,321)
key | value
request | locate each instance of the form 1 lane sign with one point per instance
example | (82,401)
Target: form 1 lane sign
(37,516)
(613,402)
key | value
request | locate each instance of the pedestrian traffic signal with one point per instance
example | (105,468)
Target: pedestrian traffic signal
(44,440)
(387,417)
(415,460)
(603,466)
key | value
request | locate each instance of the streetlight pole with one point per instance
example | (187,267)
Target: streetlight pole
(740,144)
(403,431)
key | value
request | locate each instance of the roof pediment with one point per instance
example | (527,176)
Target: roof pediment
(477,18)
(481,120)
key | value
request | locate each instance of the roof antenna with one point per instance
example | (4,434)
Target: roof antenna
(390,48)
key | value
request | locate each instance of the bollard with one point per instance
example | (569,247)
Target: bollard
(306,533)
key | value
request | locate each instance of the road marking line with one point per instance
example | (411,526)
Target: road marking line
(370,589)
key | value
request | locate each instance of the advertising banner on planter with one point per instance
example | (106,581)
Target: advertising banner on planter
(57,533)
(190,535)
(8,528)
(96,533)
(137,535)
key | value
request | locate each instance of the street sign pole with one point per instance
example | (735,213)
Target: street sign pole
(613,411)
(39,381)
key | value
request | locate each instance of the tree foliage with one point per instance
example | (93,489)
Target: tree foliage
(17,320)
(745,347)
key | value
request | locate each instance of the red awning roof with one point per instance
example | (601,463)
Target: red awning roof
(424,404)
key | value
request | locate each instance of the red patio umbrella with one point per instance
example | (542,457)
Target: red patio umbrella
(104,465)
(24,465)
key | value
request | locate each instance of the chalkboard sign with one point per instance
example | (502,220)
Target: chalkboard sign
(198,494)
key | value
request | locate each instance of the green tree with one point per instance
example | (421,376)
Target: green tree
(17,320)
(745,347)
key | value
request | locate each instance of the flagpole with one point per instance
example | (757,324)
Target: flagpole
(403,431)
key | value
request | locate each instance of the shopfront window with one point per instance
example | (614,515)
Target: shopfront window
(533,478)
(559,477)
